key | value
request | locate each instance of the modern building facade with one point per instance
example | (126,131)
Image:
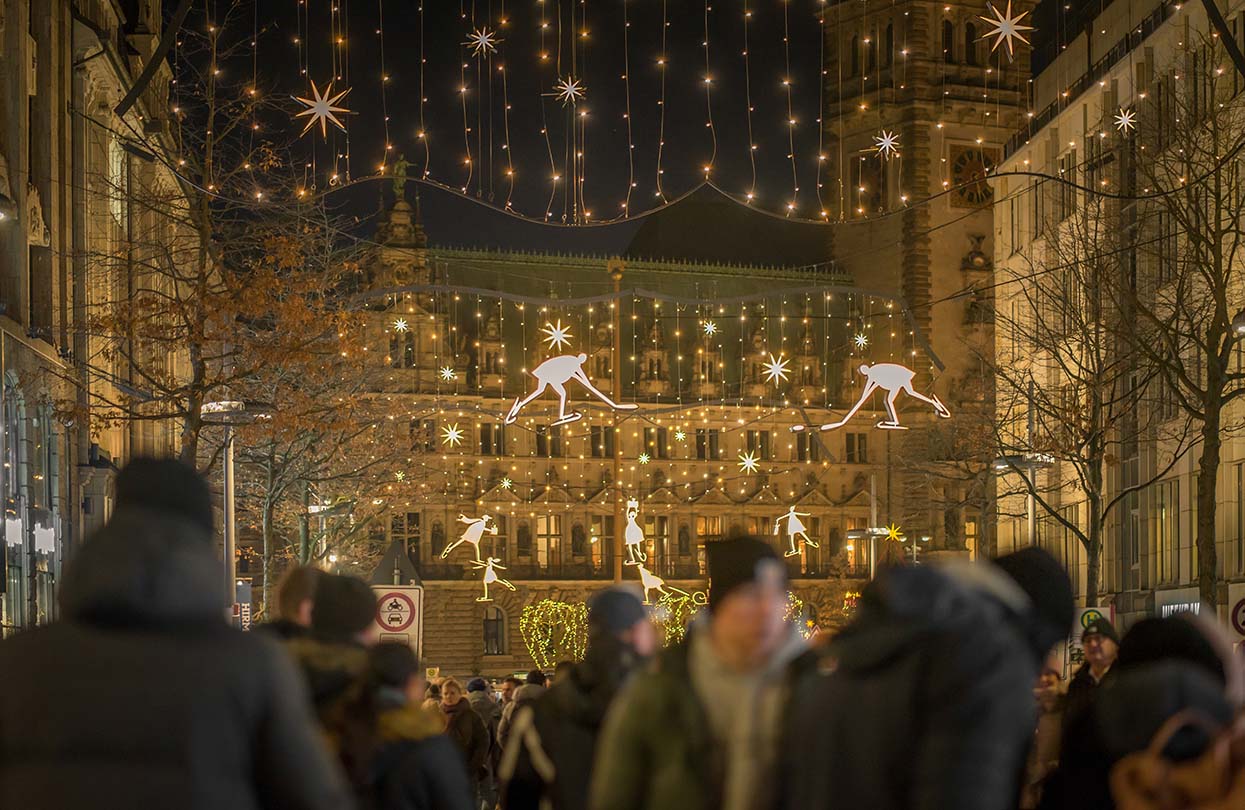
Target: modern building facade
(1133,60)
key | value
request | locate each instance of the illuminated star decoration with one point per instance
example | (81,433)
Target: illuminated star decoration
(887,144)
(483,41)
(893,533)
(321,109)
(400,475)
(711,328)
(556,336)
(1007,28)
(679,435)
(506,483)
(448,374)
(861,340)
(400,325)
(452,435)
(643,458)
(776,369)
(748,462)
(569,91)
(1126,120)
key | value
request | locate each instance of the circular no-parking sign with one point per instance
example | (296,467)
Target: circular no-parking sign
(395,612)
(1238,616)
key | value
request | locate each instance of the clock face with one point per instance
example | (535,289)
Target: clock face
(968,170)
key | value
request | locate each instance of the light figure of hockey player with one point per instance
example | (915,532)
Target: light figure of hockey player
(476,527)
(651,582)
(894,378)
(555,373)
(490,575)
(634,536)
(795,528)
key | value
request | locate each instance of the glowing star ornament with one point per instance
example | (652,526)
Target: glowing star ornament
(1126,120)
(400,475)
(894,378)
(476,527)
(400,325)
(483,42)
(893,532)
(322,109)
(776,369)
(680,435)
(747,462)
(633,535)
(557,335)
(711,328)
(569,91)
(861,340)
(555,373)
(887,144)
(1007,29)
(795,529)
(507,484)
(452,435)
(643,458)
(447,374)
(490,576)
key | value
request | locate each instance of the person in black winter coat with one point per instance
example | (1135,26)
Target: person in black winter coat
(141,695)
(296,595)
(925,701)
(394,749)
(466,729)
(554,738)
(333,656)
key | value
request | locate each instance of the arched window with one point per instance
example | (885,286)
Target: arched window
(871,55)
(494,631)
(889,43)
(854,56)
(970,44)
(948,41)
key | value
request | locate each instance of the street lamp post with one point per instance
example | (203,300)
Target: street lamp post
(1027,464)
(230,413)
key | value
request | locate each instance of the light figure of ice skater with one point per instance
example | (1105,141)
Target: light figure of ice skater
(795,528)
(555,373)
(490,575)
(476,527)
(634,536)
(894,378)
(652,582)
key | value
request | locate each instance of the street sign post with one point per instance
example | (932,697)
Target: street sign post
(400,615)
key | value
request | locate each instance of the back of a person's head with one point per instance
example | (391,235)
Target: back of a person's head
(1172,638)
(392,665)
(297,586)
(166,487)
(344,608)
(512,680)
(535,677)
(1049,592)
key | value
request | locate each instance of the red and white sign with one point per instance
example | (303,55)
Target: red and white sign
(1236,610)
(400,615)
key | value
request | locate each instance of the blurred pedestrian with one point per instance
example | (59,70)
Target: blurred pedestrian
(395,752)
(925,701)
(554,738)
(489,712)
(467,731)
(508,687)
(142,695)
(703,729)
(560,671)
(1044,753)
(532,688)
(334,656)
(1101,644)
(296,593)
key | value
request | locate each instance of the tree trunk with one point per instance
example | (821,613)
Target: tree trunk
(1093,551)
(1208,466)
(304,531)
(267,533)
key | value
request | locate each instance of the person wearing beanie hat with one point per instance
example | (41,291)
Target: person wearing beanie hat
(932,680)
(702,730)
(163,704)
(333,656)
(1102,646)
(550,761)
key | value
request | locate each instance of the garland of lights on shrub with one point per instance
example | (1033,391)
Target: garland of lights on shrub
(554,631)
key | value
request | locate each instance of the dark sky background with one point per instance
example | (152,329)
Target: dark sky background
(599,60)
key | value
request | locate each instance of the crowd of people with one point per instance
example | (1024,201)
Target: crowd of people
(940,694)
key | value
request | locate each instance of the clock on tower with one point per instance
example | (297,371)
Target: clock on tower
(969,165)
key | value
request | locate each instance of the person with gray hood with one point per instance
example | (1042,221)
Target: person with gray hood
(702,730)
(924,701)
(141,695)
